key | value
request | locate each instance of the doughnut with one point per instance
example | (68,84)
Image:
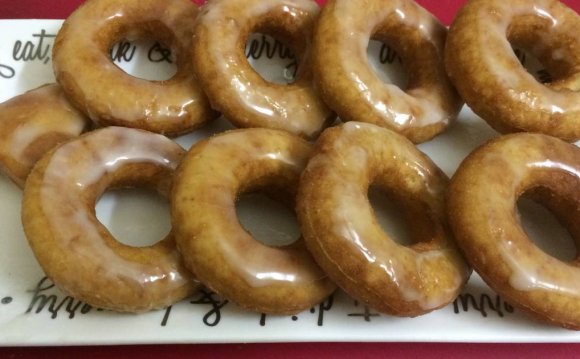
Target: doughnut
(33,123)
(235,88)
(76,251)
(483,66)
(107,94)
(342,232)
(216,248)
(483,215)
(349,85)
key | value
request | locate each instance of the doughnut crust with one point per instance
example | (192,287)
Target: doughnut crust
(33,123)
(235,88)
(350,86)
(76,251)
(483,215)
(107,94)
(344,237)
(481,63)
(215,246)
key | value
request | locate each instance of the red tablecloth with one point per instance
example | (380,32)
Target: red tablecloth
(444,10)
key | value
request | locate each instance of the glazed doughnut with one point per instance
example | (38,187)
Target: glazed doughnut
(235,88)
(483,215)
(33,123)
(215,246)
(343,235)
(75,250)
(351,87)
(107,94)
(488,75)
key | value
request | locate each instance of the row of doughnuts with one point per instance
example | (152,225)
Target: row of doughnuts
(333,75)
(338,224)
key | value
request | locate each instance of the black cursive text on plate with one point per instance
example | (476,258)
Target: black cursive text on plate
(36,50)
(264,46)
(42,301)
(485,302)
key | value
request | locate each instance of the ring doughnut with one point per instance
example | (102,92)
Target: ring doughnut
(33,123)
(235,88)
(107,94)
(343,235)
(75,250)
(349,85)
(483,215)
(215,246)
(488,75)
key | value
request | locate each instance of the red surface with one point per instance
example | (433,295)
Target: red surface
(59,9)
(444,10)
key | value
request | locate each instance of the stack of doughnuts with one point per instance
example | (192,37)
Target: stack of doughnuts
(317,145)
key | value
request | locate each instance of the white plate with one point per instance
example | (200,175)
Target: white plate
(33,312)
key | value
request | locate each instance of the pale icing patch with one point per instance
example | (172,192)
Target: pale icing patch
(528,275)
(28,132)
(73,224)
(401,265)
(232,154)
(398,109)
(538,96)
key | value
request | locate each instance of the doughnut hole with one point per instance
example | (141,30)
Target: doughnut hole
(144,58)
(387,64)
(403,49)
(275,48)
(548,221)
(147,50)
(389,216)
(549,55)
(272,59)
(136,217)
(131,202)
(269,221)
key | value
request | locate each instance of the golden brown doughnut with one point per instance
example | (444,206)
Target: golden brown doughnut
(235,88)
(343,235)
(215,246)
(488,75)
(33,123)
(350,86)
(75,250)
(107,94)
(483,215)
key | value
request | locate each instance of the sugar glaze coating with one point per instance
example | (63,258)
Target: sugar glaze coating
(488,75)
(350,86)
(344,237)
(483,215)
(33,123)
(75,250)
(235,88)
(107,94)
(215,246)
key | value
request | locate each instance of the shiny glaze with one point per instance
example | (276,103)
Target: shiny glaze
(501,90)
(489,183)
(222,254)
(105,92)
(348,81)
(342,232)
(235,88)
(96,267)
(33,123)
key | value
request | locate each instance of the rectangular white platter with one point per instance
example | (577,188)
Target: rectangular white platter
(33,312)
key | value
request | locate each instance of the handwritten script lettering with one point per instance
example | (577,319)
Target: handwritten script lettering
(42,301)
(6,72)
(270,48)
(483,304)
(387,55)
(38,49)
